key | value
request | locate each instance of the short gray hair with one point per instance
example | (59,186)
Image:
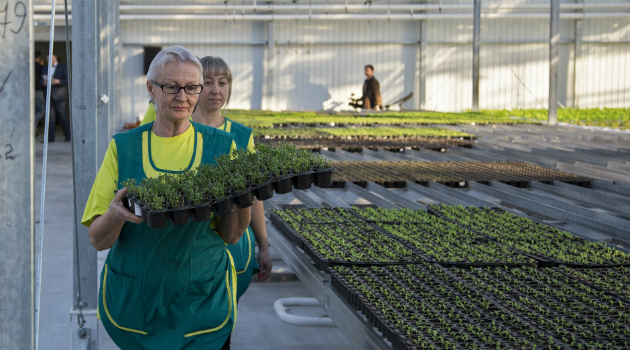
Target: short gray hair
(177,54)
(213,66)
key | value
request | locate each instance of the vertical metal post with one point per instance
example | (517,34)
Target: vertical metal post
(270,104)
(16,177)
(85,77)
(114,56)
(422,99)
(554,56)
(102,62)
(476,44)
(577,63)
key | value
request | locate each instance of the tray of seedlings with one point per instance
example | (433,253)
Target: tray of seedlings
(361,133)
(548,245)
(560,305)
(235,179)
(429,238)
(355,145)
(443,241)
(452,174)
(613,280)
(424,307)
(348,243)
(318,216)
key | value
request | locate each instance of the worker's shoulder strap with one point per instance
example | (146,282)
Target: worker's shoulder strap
(129,149)
(215,142)
(241,134)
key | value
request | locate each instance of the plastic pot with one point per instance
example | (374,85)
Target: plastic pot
(201,212)
(223,206)
(303,180)
(244,199)
(178,216)
(136,208)
(156,218)
(323,178)
(264,191)
(143,212)
(284,184)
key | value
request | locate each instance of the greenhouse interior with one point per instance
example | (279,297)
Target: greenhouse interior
(322,174)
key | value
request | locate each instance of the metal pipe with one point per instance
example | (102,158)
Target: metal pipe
(409,16)
(38,283)
(554,57)
(373,7)
(475,63)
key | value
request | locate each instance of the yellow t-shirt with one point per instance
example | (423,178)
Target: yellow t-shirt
(168,153)
(149,116)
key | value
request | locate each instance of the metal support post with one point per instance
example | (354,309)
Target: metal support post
(269,68)
(422,97)
(554,57)
(476,44)
(102,81)
(16,177)
(577,62)
(85,76)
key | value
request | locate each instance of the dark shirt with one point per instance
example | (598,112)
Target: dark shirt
(39,81)
(371,93)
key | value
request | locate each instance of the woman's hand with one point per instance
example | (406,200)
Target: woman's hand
(105,229)
(264,263)
(117,211)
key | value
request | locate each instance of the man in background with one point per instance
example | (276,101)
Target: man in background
(40,104)
(58,97)
(371,90)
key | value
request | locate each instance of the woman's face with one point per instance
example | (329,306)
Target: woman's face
(215,93)
(180,106)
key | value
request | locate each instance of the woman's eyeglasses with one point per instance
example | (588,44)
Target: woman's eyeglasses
(174,89)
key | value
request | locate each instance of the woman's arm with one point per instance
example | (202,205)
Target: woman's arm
(232,226)
(260,233)
(105,229)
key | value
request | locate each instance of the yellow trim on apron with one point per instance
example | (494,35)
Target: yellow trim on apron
(231,300)
(249,247)
(107,311)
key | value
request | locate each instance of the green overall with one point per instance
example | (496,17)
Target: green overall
(173,287)
(243,251)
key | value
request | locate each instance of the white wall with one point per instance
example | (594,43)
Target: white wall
(304,75)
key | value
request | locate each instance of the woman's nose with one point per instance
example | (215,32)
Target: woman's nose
(181,95)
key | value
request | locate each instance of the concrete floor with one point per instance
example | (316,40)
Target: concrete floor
(258,326)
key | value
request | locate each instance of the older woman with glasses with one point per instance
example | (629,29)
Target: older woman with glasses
(173,287)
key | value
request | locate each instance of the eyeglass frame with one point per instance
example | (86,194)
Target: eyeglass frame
(161,86)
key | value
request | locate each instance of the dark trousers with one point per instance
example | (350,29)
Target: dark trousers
(58,114)
(226,346)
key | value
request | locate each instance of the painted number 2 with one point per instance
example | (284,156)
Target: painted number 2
(19,12)
(8,155)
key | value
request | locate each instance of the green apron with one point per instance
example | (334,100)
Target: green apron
(243,251)
(173,287)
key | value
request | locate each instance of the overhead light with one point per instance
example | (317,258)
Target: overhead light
(40,24)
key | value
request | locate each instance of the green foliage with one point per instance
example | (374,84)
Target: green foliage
(231,173)
(382,132)
(605,117)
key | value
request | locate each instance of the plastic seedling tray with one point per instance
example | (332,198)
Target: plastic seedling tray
(303,180)
(283,184)
(264,191)
(178,216)
(243,199)
(201,212)
(323,178)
